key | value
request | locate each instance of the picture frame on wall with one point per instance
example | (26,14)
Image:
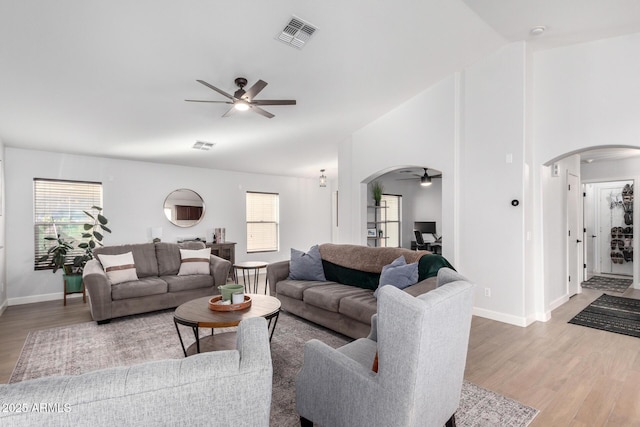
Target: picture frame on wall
(371,232)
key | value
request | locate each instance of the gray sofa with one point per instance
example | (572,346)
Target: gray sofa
(223,388)
(158,286)
(345,301)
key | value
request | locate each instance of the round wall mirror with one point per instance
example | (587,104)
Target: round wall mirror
(184,208)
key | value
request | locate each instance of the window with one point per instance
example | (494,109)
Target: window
(391,218)
(59,209)
(262,222)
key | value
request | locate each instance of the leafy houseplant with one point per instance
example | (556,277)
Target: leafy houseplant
(94,232)
(377,189)
(58,254)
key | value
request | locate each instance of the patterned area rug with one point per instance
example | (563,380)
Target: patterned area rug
(86,347)
(607,284)
(613,314)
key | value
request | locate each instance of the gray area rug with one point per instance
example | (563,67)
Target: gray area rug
(608,284)
(612,314)
(85,347)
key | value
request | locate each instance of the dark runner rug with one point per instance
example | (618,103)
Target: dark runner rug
(85,347)
(612,314)
(607,284)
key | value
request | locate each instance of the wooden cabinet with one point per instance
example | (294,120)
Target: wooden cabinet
(225,250)
(188,213)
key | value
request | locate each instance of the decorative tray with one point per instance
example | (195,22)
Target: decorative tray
(216,306)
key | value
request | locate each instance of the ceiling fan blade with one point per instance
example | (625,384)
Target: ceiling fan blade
(255,89)
(262,112)
(214,102)
(229,113)
(274,102)
(220,91)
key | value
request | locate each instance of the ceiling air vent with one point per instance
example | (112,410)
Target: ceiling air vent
(204,146)
(297,33)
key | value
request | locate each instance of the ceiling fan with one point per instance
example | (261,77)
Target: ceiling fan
(243,100)
(425,179)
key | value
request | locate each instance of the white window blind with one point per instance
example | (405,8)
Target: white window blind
(262,222)
(392,217)
(59,210)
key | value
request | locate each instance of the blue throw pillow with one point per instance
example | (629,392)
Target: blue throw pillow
(399,274)
(306,266)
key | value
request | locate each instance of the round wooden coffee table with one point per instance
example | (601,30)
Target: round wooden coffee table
(196,314)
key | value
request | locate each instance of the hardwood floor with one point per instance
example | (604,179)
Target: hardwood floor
(575,376)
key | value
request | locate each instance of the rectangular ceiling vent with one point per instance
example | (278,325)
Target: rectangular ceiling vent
(297,32)
(204,146)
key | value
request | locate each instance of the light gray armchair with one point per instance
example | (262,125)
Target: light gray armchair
(220,388)
(421,344)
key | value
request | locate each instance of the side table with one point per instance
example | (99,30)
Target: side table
(250,273)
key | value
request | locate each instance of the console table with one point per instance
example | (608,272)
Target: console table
(225,250)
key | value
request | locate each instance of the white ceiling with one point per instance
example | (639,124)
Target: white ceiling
(109,78)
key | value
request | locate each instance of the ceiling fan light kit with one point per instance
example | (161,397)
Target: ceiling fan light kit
(243,100)
(425,180)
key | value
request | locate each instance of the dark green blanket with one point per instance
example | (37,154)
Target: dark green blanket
(428,266)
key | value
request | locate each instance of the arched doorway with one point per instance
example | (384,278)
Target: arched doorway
(577,229)
(409,200)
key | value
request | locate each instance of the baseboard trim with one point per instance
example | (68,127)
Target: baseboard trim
(558,302)
(502,317)
(41,298)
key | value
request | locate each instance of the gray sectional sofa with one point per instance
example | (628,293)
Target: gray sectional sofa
(345,301)
(158,286)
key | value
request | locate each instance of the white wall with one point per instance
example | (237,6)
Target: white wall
(491,176)
(134,193)
(419,132)
(555,231)
(587,95)
(3,264)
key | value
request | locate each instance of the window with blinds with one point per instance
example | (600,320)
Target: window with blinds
(59,210)
(391,217)
(262,222)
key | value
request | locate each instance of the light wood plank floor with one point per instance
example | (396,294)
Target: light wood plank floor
(574,375)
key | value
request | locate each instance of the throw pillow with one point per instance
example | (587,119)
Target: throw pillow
(119,268)
(399,274)
(306,266)
(194,261)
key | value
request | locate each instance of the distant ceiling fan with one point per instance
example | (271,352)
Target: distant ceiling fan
(425,179)
(243,100)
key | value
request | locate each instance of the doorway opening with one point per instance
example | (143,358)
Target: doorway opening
(609,231)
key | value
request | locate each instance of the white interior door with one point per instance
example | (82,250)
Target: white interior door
(611,214)
(574,239)
(590,231)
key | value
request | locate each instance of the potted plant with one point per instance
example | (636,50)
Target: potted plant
(58,254)
(93,231)
(377,189)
